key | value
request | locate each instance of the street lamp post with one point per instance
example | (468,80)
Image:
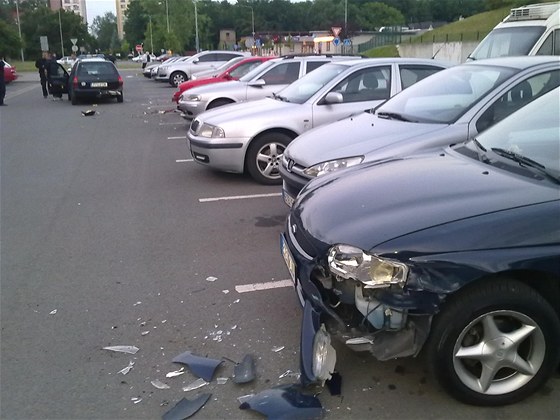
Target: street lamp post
(60,25)
(167,14)
(151,35)
(197,43)
(19,28)
(252,18)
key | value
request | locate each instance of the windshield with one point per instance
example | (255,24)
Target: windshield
(257,71)
(443,97)
(228,64)
(531,134)
(304,88)
(512,41)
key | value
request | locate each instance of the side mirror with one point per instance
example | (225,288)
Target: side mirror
(333,98)
(195,61)
(257,83)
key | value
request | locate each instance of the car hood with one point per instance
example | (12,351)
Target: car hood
(353,136)
(244,112)
(368,205)
(231,85)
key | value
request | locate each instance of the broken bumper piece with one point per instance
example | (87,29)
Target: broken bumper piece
(285,402)
(202,367)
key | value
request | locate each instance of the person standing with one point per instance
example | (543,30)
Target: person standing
(2,80)
(41,65)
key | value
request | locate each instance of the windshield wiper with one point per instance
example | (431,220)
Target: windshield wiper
(392,116)
(524,161)
(280,97)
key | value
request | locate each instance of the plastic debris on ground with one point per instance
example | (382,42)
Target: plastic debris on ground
(244,398)
(136,400)
(285,402)
(186,408)
(159,385)
(277,349)
(127,369)
(199,383)
(145,332)
(222,381)
(290,374)
(123,349)
(202,367)
(175,373)
(334,384)
(53,312)
(88,113)
(244,372)
(211,278)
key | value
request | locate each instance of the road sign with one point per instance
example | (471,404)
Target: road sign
(336,42)
(347,42)
(74,40)
(139,47)
(249,42)
(336,30)
(74,48)
(44,43)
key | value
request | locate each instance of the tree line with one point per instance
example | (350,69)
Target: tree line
(170,24)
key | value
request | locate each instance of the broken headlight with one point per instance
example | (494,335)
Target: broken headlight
(211,131)
(350,262)
(332,165)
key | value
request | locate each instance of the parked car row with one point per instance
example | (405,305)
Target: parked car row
(424,202)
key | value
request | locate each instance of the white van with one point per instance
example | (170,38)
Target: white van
(528,30)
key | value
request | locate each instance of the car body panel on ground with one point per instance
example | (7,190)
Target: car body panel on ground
(453,252)
(446,108)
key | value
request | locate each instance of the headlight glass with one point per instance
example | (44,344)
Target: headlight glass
(211,131)
(332,165)
(350,262)
(193,98)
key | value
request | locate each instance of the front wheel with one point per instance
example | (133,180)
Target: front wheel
(495,344)
(177,78)
(264,157)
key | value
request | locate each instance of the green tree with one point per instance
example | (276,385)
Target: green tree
(10,43)
(104,28)
(375,14)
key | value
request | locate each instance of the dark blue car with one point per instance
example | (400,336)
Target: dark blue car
(454,254)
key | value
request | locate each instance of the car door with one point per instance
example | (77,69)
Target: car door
(273,80)
(58,79)
(356,92)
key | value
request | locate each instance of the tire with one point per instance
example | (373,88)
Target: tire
(74,100)
(120,98)
(219,102)
(264,157)
(177,78)
(494,344)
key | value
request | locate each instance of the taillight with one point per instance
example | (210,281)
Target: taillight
(75,82)
(120,81)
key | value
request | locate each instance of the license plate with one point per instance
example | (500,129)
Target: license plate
(99,84)
(288,199)
(288,258)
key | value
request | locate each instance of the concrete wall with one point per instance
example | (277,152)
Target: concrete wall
(454,52)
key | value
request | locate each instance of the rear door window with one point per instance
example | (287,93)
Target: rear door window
(411,74)
(282,74)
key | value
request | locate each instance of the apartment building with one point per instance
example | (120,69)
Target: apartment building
(76,6)
(121,6)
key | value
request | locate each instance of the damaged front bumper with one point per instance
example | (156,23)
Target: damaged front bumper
(387,322)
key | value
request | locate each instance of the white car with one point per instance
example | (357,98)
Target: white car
(252,136)
(66,61)
(180,71)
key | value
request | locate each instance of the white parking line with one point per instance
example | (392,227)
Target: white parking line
(238,197)
(184,160)
(244,288)
(177,138)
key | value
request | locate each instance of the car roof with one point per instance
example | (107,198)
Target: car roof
(390,60)
(521,62)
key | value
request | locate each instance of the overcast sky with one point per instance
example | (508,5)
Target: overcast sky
(99,8)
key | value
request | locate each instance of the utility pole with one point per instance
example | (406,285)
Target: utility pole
(19,28)
(197,43)
(60,25)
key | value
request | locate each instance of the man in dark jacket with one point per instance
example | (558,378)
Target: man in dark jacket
(41,65)
(2,80)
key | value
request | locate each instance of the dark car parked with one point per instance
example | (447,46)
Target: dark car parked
(455,253)
(90,78)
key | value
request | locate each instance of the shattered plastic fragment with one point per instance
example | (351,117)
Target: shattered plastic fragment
(199,383)
(127,369)
(137,303)
(236,301)
(135,400)
(54,311)
(285,402)
(245,371)
(277,349)
(200,366)
(175,373)
(145,332)
(186,408)
(222,381)
(123,349)
(225,292)
(211,278)
(159,385)
(244,398)
(290,374)
(88,113)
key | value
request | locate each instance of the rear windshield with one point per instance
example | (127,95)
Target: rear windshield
(503,42)
(102,68)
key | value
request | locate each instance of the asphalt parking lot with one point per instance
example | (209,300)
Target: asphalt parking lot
(112,235)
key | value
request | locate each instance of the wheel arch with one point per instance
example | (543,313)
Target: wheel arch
(290,133)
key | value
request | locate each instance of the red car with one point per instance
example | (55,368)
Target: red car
(234,72)
(10,73)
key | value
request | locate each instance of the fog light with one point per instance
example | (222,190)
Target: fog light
(324,355)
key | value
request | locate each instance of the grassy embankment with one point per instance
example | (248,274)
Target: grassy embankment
(470,29)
